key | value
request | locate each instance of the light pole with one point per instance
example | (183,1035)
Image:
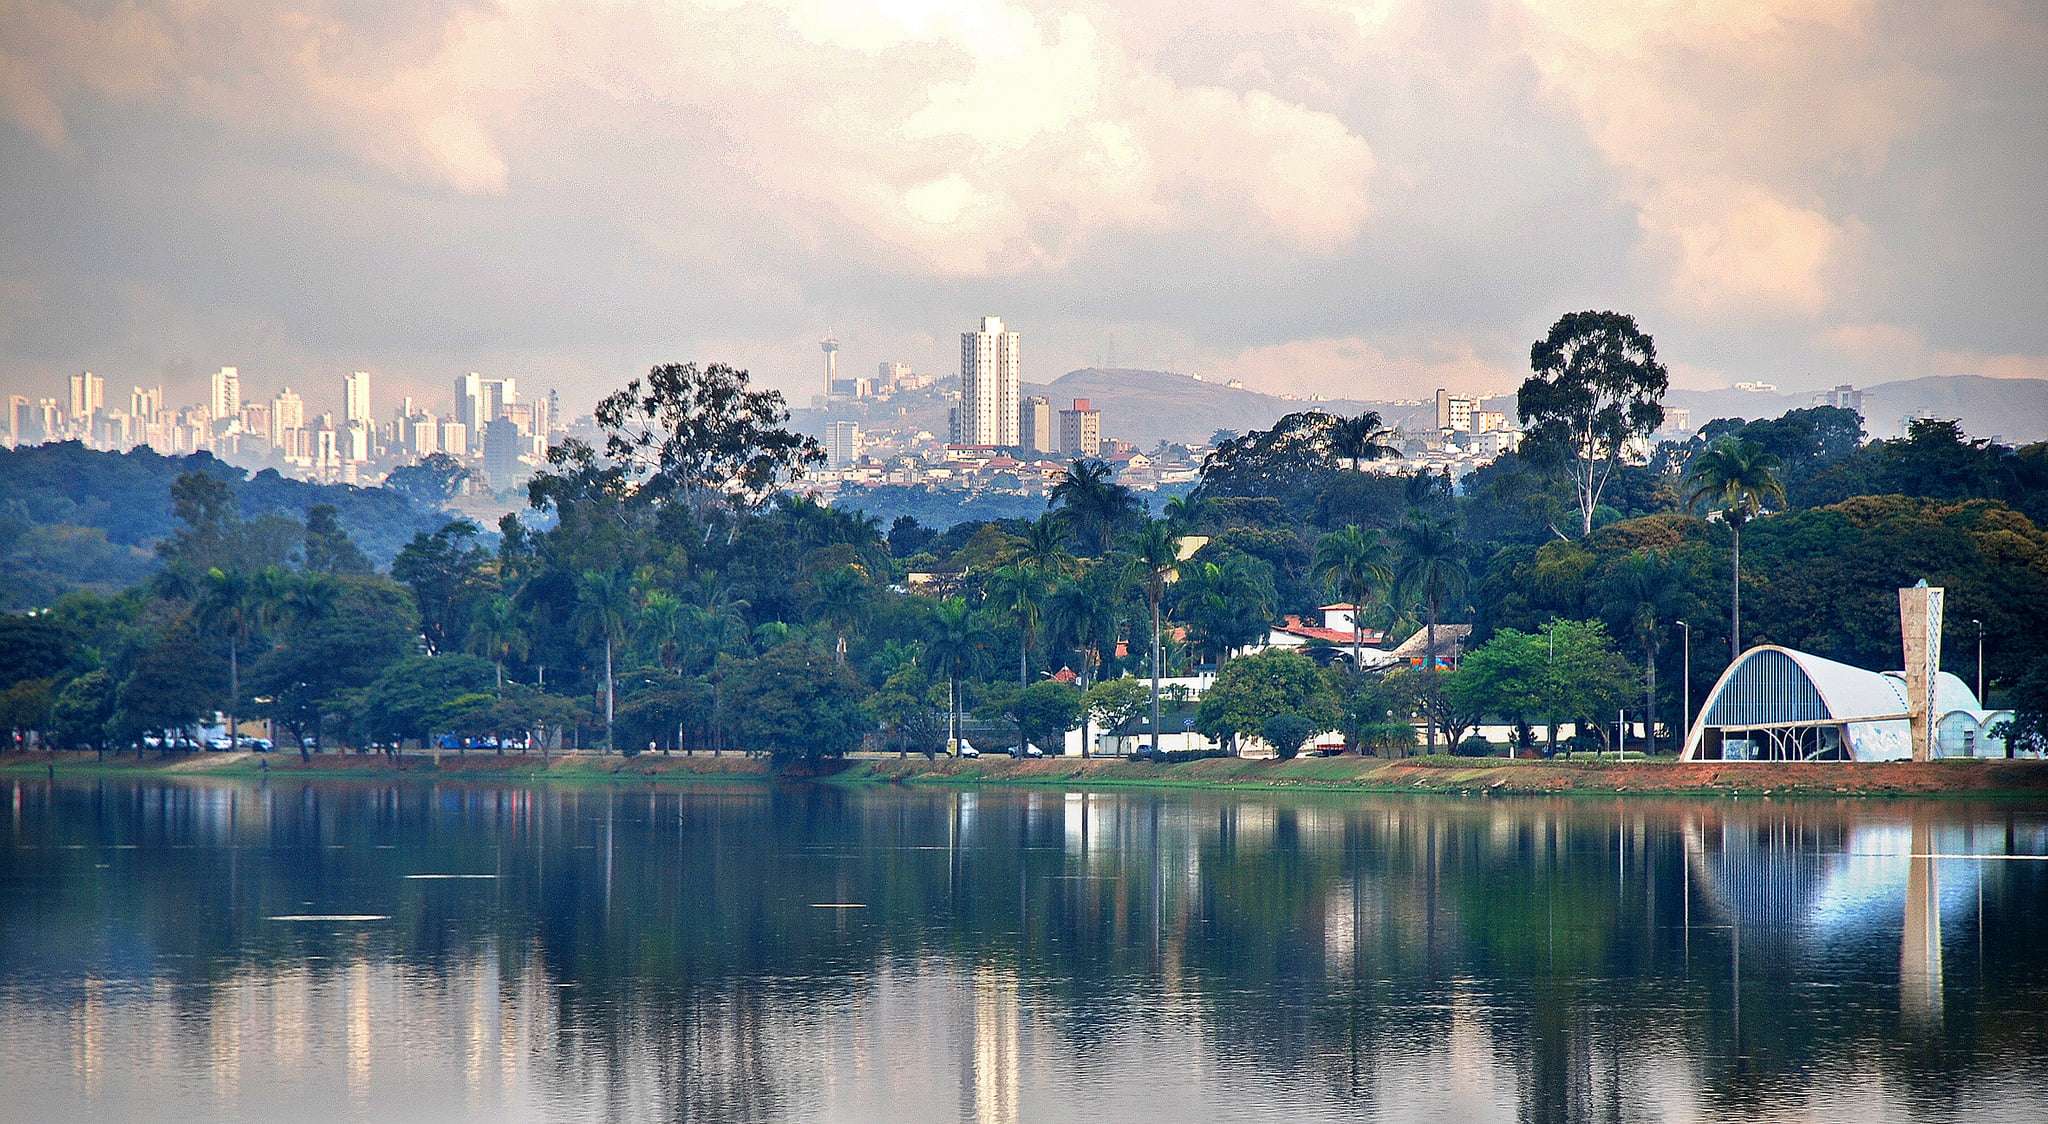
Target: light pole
(1685,689)
(1980,661)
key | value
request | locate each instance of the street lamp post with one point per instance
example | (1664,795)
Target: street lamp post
(1685,688)
(1980,661)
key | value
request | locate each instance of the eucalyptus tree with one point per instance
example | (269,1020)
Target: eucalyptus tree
(1152,559)
(1738,477)
(702,436)
(604,607)
(1597,386)
(1356,563)
(1432,567)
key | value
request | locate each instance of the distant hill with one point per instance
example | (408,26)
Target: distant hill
(1146,407)
(2014,411)
(77,518)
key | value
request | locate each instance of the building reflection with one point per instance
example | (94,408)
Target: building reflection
(1017,956)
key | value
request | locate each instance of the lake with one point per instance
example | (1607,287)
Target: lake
(337,950)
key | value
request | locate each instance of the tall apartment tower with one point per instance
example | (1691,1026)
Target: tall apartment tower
(479,401)
(355,398)
(145,405)
(88,397)
(287,416)
(988,385)
(1081,431)
(1454,412)
(842,444)
(1034,425)
(226,403)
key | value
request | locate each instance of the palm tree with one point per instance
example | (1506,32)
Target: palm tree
(494,633)
(1184,513)
(1356,563)
(1019,590)
(1095,504)
(1432,567)
(1648,580)
(229,605)
(604,603)
(1362,439)
(1045,549)
(1227,605)
(1154,556)
(1078,615)
(1738,477)
(842,596)
(955,650)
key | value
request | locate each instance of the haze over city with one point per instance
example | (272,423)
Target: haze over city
(1365,200)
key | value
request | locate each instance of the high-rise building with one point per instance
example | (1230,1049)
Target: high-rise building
(503,444)
(422,435)
(226,402)
(354,442)
(1081,430)
(145,404)
(88,397)
(287,416)
(1034,425)
(889,374)
(479,401)
(355,398)
(1454,412)
(831,348)
(20,421)
(842,444)
(1843,397)
(454,438)
(988,385)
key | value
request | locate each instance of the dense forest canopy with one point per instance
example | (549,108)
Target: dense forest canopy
(691,609)
(76,518)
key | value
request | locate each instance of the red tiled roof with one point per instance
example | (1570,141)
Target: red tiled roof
(1294,627)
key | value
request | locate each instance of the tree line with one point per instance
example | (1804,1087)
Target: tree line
(669,587)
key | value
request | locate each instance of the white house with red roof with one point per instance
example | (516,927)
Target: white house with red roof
(1337,627)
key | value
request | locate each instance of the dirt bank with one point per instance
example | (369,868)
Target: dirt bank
(1415,774)
(1448,774)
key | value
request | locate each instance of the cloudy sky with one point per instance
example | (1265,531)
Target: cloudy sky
(1369,198)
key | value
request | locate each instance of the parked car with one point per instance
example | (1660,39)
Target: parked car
(220,743)
(1029,750)
(966,749)
(1145,752)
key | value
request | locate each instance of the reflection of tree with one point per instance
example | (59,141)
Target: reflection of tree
(1339,947)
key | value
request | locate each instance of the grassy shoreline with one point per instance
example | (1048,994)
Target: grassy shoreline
(1481,776)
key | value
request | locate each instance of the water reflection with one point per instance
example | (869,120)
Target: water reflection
(819,954)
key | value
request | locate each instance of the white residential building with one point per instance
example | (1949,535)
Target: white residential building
(988,385)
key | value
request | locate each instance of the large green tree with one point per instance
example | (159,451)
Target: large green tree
(703,435)
(1253,688)
(796,703)
(1597,386)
